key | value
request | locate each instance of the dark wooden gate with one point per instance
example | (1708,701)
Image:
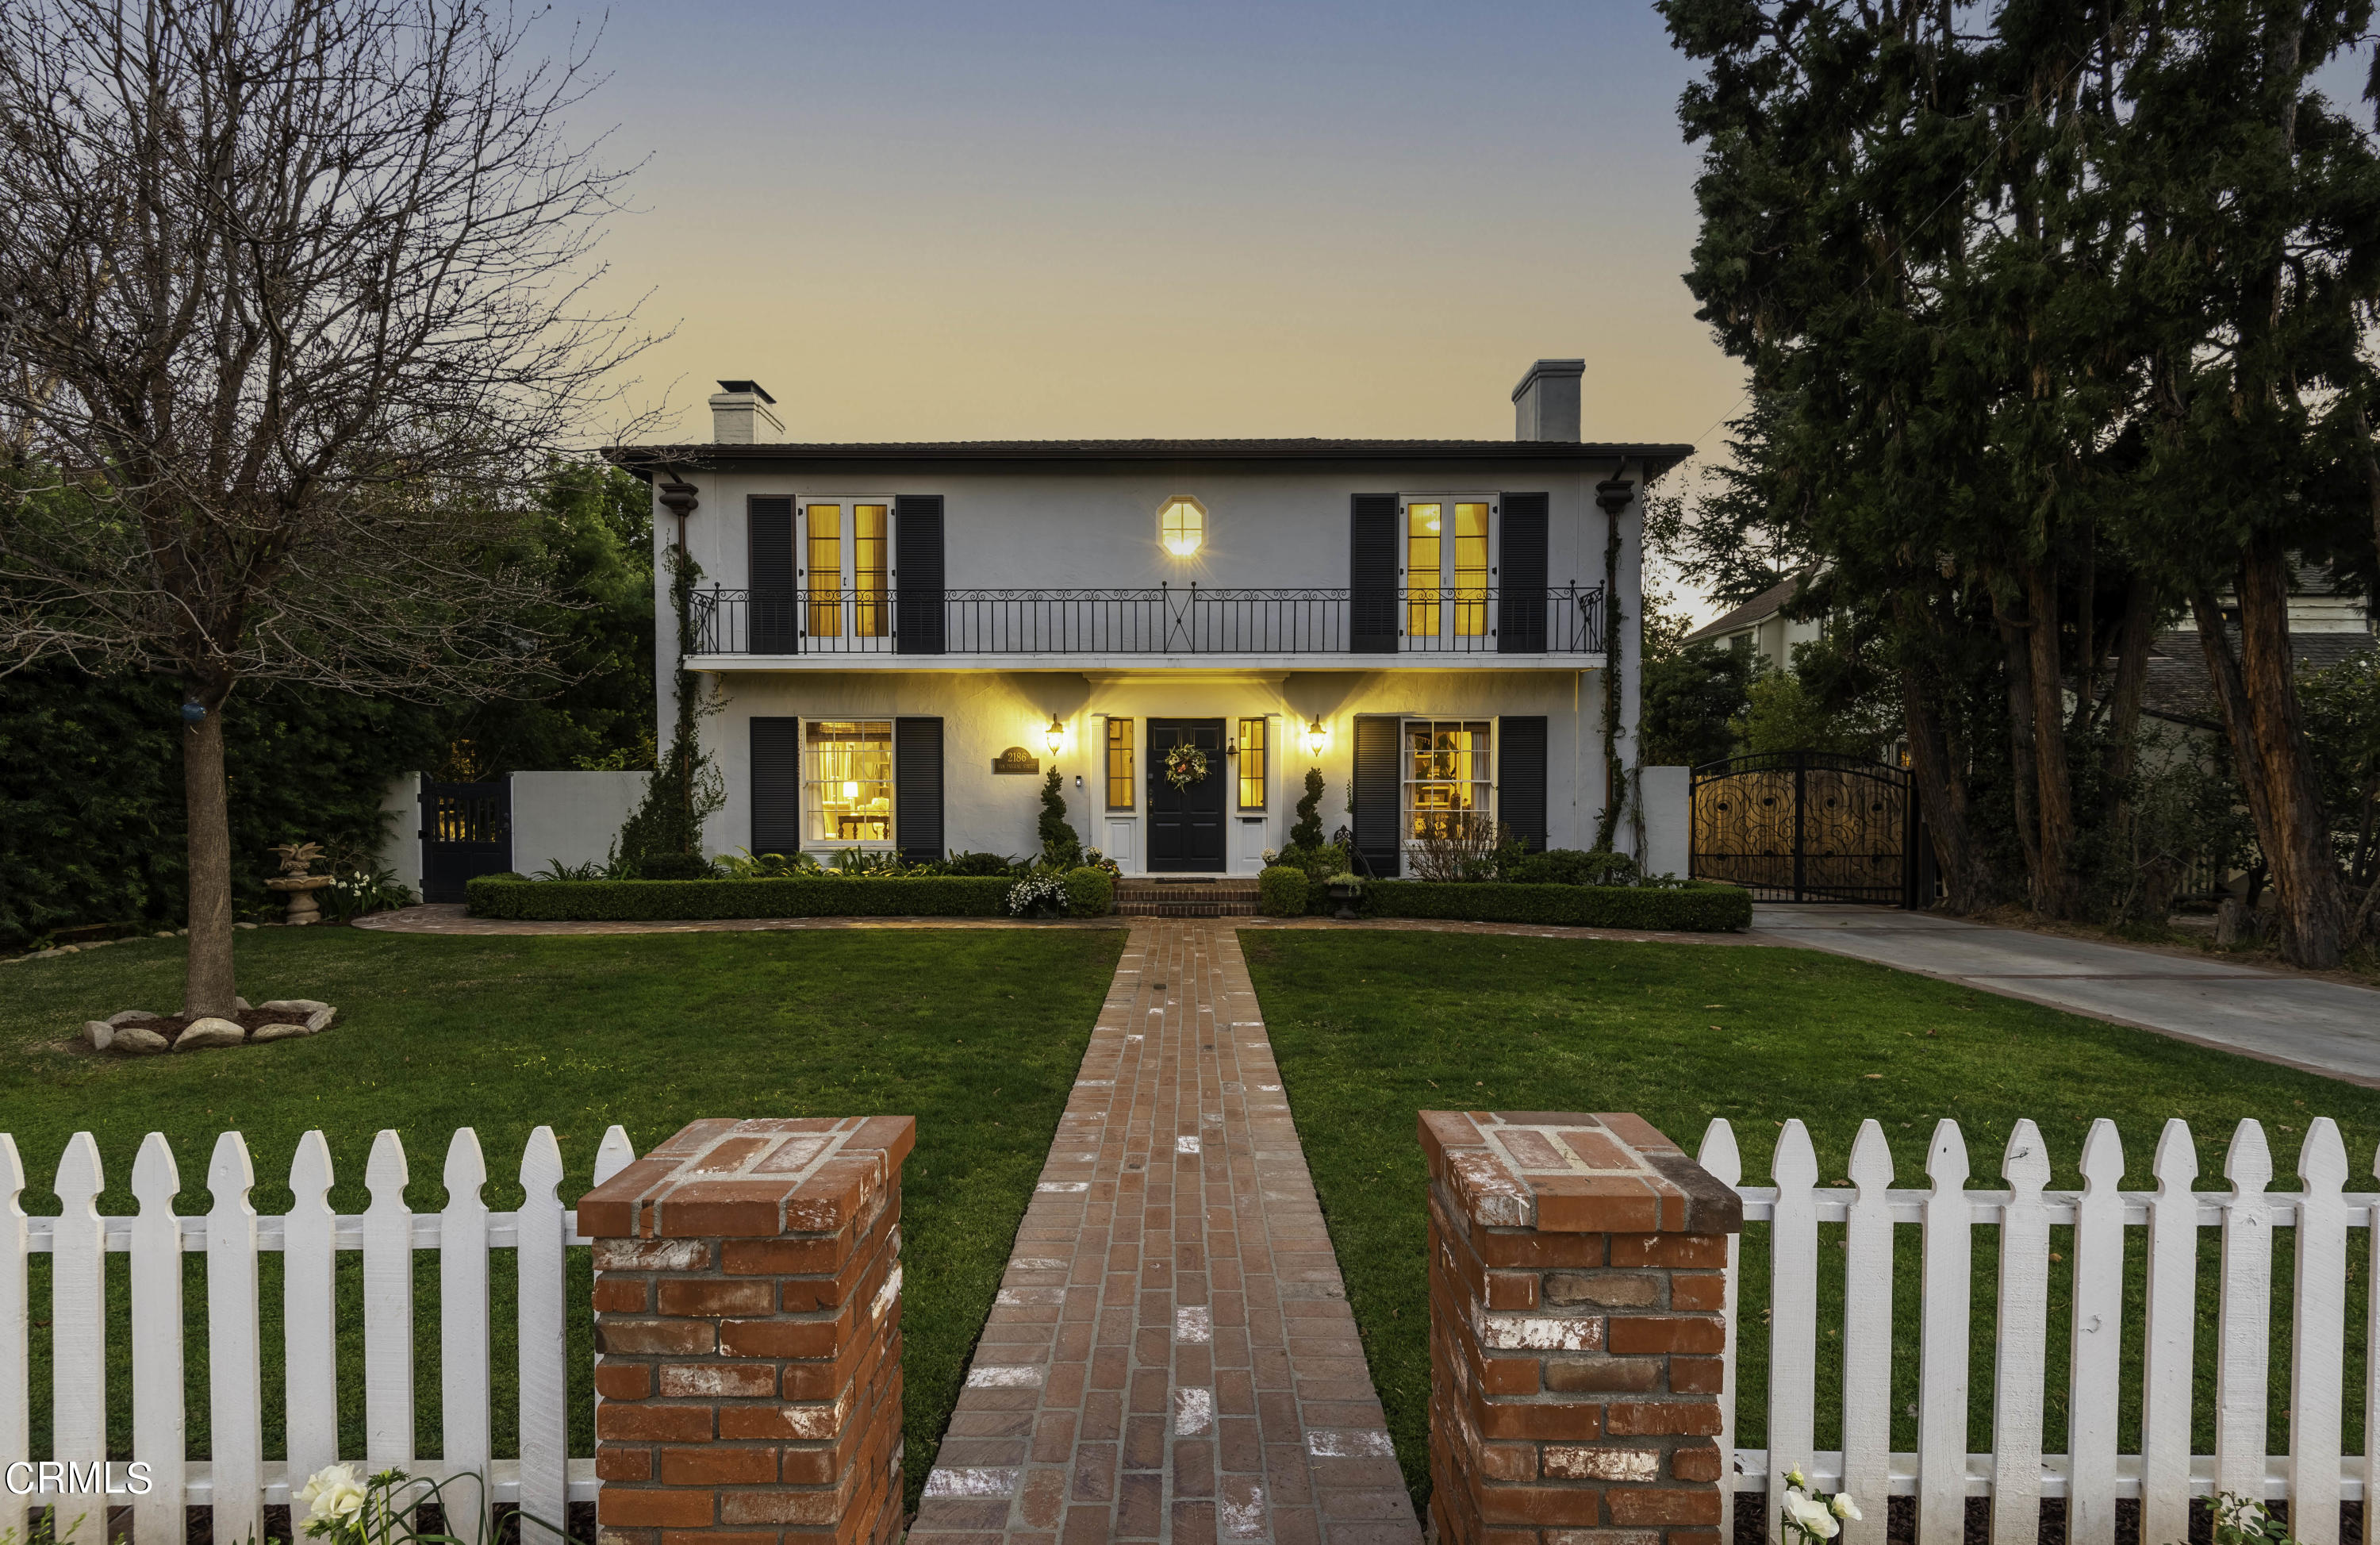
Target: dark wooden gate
(1807,826)
(466,829)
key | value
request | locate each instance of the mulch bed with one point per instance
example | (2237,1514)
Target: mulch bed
(249,1019)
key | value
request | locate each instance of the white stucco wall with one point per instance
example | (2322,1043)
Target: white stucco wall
(570,817)
(1669,820)
(400,847)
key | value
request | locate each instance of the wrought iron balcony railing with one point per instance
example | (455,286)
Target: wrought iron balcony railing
(1556,619)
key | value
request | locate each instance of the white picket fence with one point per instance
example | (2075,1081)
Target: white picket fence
(2316,1476)
(239,1482)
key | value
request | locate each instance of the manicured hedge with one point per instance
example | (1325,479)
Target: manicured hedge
(1282,892)
(1089,892)
(805,897)
(1700,908)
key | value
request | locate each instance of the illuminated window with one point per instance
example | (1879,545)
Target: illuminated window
(1120,783)
(1252,764)
(847,780)
(871,571)
(1422,523)
(1446,780)
(1182,526)
(1470,570)
(824,561)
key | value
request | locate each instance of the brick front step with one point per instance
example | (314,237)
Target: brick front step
(1197,898)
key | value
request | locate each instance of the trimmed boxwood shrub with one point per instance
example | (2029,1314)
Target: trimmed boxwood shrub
(1699,906)
(1280,891)
(1089,892)
(684,900)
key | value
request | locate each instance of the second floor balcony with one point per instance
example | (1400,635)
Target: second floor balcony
(1551,625)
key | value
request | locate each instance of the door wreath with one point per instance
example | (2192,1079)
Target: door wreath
(1185,765)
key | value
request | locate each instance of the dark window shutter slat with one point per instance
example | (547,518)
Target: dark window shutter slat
(917,788)
(1372,574)
(918,577)
(1378,817)
(1520,779)
(776,785)
(772,627)
(1521,595)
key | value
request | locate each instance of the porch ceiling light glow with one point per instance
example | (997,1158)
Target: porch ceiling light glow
(1056,734)
(1182,526)
(1314,736)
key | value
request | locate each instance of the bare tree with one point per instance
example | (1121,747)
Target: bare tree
(293,300)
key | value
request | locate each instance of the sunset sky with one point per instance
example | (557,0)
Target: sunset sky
(1045,218)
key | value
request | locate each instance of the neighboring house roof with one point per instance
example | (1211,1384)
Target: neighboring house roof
(1657,459)
(1759,608)
(2178,686)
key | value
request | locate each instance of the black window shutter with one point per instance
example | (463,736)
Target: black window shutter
(1521,778)
(1520,596)
(917,787)
(1372,575)
(771,627)
(1378,816)
(776,785)
(917,582)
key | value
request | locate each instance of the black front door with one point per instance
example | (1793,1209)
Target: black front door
(1185,825)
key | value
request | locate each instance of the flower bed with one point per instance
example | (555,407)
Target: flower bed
(1696,906)
(496,896)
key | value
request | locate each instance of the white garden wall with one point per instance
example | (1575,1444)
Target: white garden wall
(570,817)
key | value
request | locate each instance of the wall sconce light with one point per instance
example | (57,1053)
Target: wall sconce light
(1055,736)
(1314,737)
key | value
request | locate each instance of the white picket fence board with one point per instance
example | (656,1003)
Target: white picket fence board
(2314,1475)
(1719,1156)
(240,1480)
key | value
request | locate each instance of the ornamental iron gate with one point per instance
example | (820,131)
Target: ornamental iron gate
(1808,826)
(467,830)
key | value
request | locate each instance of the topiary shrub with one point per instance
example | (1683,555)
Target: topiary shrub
(1061,847)
(1307,833)
(1090,892)
(1282,891)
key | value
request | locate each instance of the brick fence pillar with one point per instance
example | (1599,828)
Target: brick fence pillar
(1576,1292)
(748,1335)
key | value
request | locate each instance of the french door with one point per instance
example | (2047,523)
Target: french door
(1448,572)
(846,573)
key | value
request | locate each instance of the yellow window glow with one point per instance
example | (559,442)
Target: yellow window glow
(1181,527)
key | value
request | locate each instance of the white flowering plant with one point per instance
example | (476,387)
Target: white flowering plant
(340,1506)
(1811,1518)
(1041,896)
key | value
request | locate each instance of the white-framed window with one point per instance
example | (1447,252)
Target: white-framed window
(1448,566)
(846,563)
(1182,526)
(847,782)
(1448,777)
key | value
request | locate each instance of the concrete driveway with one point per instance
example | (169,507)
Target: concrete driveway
(2323,1027)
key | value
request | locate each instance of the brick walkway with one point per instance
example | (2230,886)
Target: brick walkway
(1172,1356)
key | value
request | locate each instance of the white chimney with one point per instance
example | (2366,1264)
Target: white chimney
(740,415)
(1545,405)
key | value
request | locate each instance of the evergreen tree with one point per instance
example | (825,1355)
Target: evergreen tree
(1061,849)
(1307,830)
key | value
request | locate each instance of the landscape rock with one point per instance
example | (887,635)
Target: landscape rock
(165,933)
(243,925)
(139,1042)
(210,1031)
(321,1019)
(242,1004)
(294,1005)
(129,1015)
(101,1033)
(277,1032)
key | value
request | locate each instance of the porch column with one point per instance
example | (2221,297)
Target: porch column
(748,1335)
(1575,1289)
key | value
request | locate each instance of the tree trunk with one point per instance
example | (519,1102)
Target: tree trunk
(2297,845)
(1940,782)
(2134,637)
(2022,763)
(208,988)
(2057,895)
(2231,696)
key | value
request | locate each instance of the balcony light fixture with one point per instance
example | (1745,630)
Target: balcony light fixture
(1182,526)
(1055,736)
(1314,737)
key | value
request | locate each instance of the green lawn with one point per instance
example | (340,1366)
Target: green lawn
(978,1034)
(1371,1028)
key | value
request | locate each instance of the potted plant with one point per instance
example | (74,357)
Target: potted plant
(1346,889)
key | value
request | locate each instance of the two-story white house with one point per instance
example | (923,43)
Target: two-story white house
(906,637)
